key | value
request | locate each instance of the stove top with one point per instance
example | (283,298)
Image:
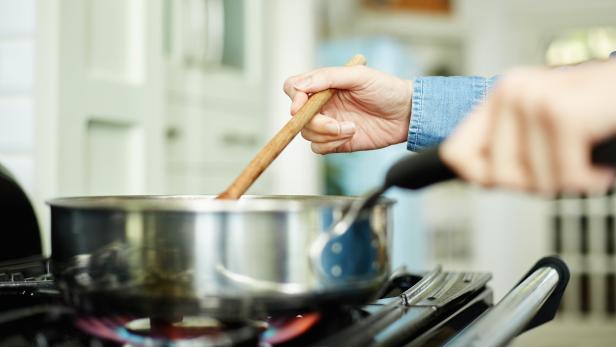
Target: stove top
(428,309)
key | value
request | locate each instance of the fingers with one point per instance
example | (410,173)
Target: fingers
(465,151)
(322,124)
(524,138)
(298,98)
(539,152)
(499,145)
(574,165)
(346,77)
(603,180)
(506,165)
(289,86)
(337,131)
(327,134)
(330,147)
(298,101)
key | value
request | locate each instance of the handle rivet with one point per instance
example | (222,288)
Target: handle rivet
(336,247)
(336,271)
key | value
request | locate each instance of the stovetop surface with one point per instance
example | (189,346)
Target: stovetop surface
(415,310)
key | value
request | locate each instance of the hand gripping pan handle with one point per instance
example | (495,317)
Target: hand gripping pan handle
(426,167)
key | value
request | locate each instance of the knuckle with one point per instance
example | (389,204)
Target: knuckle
(324,78)
(320,148)
(522,73)
(513,182)
(313,126)
(466,175)
(508,87)
(544,190)
(322,72)
(342,147)
(288,86)
(603,187)
(306,134)
(451,153)
(547,108)
(532,107)
(574,183)
(543,105)
(315,148)
(474,176)
(455,159)
(516,80)
(549,192)
(358,69)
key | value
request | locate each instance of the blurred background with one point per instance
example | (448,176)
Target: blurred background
(175,96)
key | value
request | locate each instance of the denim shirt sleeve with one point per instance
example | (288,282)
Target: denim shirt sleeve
(439,104)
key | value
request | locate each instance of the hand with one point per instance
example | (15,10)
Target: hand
(536,130)
(370,110)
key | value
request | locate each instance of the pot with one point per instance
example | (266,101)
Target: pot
(182,255)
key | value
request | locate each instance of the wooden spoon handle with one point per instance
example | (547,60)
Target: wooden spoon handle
(272,149)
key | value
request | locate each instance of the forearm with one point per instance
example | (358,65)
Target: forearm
(439,103)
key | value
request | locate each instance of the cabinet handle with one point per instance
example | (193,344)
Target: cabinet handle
(243,140)
(203,32)
(173,133)
(215,31)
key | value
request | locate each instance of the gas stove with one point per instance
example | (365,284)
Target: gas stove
(428,309)
(412,309)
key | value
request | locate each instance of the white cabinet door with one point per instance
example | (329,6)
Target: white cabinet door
(101,97)
(215,79)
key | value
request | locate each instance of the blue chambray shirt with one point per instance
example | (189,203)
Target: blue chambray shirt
(440,103)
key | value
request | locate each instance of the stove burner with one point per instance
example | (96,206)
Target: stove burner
(189,331)
(193,331)
(284,329)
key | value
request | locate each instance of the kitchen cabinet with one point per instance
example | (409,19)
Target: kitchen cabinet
(99,120)
(210,134)
(99,126)
(164,96)
(215,114)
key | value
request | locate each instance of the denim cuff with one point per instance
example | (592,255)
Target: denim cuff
(439,104)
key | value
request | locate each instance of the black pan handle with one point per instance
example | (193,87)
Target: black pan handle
(604,153)
(419,170)
(425,168)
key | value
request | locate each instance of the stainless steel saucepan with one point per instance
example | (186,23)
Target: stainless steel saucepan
(172,255)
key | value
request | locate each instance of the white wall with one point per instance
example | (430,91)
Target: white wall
(17,26)
(501,34)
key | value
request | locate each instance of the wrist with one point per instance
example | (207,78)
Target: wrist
(410,98)
(404,111)
(409,103)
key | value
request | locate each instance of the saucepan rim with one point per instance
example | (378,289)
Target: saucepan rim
(204,203)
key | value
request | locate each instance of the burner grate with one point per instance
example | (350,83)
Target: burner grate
(409,307)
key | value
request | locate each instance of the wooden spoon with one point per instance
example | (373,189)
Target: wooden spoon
(272,149)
